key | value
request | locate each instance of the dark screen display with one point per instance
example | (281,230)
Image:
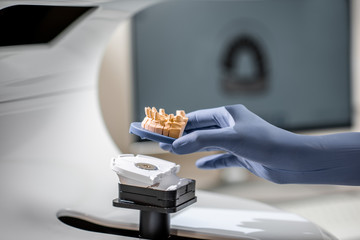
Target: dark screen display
(30,24)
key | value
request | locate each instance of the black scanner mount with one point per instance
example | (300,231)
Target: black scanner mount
(155,206)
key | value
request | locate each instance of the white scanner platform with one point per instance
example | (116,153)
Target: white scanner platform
(216,217)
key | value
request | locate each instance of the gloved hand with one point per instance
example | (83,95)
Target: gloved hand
(268,151)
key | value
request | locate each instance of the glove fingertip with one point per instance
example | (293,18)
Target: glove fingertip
(165,146)
(202,164)
(185,144)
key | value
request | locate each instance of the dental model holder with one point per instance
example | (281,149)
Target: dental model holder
(151,185)
(155,206)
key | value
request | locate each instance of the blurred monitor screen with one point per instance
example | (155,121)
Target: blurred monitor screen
(287,61)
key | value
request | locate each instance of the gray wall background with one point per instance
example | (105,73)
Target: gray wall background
(178,48)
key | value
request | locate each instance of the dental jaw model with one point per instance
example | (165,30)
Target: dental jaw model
(150,184)
(164,124)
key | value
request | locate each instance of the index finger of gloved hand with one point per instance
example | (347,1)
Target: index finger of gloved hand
(168,147)
(205,118)
(223,160)
(201,140)
(165,146)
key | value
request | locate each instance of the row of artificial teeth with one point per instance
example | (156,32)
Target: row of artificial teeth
(164,124)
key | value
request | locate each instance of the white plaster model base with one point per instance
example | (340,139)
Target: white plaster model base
(146,171)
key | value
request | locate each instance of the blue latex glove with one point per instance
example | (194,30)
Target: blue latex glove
(268,151)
